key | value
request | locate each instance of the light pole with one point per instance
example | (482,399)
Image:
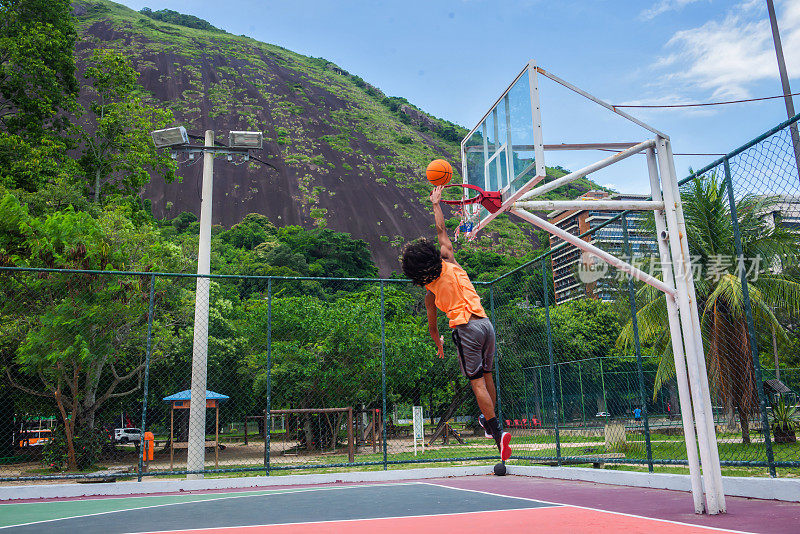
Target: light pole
(787,91)
(177,140)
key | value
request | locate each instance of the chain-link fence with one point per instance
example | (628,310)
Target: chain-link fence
(588,374)
(325,374)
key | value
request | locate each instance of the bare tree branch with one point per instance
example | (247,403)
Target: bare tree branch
(133,389)
(27,390)
(117,380)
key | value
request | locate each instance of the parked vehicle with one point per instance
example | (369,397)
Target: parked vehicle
(34,438)
(125,435)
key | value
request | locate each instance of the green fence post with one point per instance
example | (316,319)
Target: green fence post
(146,385)
(383,377)
(550,356)
(268,411)
(637,347)
(498,405)
(751,331)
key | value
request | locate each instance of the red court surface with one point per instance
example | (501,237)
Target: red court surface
(548,520)
(463,505)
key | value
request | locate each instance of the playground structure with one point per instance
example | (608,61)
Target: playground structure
(181,401)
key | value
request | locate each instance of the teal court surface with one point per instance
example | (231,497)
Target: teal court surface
(470,504)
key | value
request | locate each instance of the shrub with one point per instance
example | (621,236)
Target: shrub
(89,446)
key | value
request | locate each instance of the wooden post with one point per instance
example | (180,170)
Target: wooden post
(171,435)
(245,429)
(216,439)
(350,447)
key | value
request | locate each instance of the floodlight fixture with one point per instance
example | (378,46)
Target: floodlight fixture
(245,139)
(168,137)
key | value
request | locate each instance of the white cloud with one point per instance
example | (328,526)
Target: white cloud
(663,6)
(727,56)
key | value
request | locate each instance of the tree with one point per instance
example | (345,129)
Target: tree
(77,339)
(117,153)
(173,17)
(37,89)
(37,67)
(719,291)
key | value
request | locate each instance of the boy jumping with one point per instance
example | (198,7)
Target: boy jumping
(450,290)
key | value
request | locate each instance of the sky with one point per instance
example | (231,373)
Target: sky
(454,58)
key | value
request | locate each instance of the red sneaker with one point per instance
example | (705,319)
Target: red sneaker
(505,446)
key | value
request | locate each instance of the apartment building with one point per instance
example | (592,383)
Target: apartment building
(566,285)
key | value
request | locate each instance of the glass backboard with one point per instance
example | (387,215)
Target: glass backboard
(504,151)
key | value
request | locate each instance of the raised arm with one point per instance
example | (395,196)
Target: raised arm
(445,245)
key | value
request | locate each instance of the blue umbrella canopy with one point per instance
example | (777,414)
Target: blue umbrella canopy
(187,395)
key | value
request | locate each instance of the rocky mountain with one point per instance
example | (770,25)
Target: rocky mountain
(341,154)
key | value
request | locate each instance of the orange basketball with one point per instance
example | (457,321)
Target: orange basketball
(439,172)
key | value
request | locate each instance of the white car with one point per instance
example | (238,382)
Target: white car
(125,435)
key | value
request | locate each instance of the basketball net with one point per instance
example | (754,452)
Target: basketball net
(490,200)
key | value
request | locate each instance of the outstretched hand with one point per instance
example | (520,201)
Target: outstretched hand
(436,194)
(440,346)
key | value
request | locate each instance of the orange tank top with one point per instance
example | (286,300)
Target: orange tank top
(455,295)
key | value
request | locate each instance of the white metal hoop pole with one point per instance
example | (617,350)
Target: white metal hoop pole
(196,448)
(684,394)
(683,267)
(715,468)
(600,253)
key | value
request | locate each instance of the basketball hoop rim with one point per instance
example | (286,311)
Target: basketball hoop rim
(491,200)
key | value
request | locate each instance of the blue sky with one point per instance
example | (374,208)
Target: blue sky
(453,58)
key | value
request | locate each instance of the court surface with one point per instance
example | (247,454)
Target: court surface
(463,505)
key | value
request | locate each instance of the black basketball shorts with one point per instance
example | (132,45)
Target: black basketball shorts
(475,342)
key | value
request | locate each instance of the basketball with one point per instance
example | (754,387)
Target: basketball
(439,172)
(500,469)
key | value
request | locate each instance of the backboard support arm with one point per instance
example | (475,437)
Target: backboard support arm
(600,253)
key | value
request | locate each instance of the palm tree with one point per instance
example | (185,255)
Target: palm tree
(766,249)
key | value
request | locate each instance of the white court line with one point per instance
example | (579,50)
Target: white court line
(594,509)
(301,490)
